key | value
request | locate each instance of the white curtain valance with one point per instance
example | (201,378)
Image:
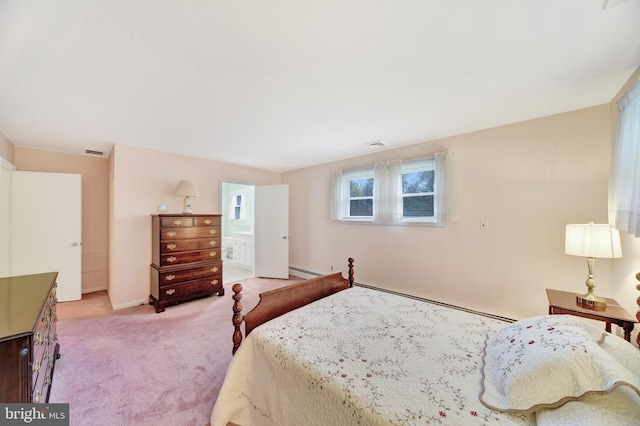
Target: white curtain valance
(624,174)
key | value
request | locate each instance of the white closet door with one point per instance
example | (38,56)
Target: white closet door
(46,232)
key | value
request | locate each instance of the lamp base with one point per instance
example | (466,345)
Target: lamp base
(187,206)
(591,301)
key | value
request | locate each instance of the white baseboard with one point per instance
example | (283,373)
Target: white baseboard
(130,304)
(93,290)
(299,273)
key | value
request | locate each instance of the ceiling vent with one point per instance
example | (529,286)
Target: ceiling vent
(93,152)
(375,145)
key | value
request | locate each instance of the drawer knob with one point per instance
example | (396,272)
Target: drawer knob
(177,222)
(213,242)
(214,282)
(171,246)
(213,253)
(214,269)
(170,277)
(213,231)
(171,233)
(171,291)
(207,221)
(171,259)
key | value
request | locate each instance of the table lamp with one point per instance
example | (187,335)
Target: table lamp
(592,240)
(187,189)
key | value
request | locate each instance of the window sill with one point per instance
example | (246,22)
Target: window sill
(429,224)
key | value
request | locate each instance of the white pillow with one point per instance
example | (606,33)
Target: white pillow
(546,361)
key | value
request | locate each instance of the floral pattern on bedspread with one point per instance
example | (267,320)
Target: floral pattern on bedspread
(366,357)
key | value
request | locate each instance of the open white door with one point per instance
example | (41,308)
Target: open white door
(272,231)
(46,231)
(6,169)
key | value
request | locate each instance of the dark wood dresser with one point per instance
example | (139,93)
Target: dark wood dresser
(28,340)
(186,262)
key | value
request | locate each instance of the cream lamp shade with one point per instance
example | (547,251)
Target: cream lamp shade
(592,240)
(187,189)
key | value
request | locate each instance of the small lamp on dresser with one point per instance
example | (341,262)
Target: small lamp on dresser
(187,189)
(592,240)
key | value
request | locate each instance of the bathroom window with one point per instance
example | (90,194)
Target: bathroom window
(237,205)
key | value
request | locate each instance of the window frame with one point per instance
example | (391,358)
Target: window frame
(234,206)
(415,166)
(347,177)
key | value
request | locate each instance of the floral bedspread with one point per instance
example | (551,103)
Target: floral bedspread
(362,357)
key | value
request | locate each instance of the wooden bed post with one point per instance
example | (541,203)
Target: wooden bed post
(350,260)
(237,316)
(638,303)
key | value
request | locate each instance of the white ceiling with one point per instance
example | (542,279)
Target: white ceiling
(285,84)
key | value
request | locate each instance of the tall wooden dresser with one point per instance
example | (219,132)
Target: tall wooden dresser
(186,261)
(28,340)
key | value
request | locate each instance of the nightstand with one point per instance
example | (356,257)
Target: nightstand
(564,302)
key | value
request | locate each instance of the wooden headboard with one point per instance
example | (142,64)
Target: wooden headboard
(276,302)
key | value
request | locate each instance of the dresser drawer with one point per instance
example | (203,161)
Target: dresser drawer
(189,288)
(189,257)
(190,274)
(42,367)
(170,222)
(207,221)
(187,233)
(182,221)
(189,245)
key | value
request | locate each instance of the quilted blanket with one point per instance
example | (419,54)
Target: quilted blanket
(362,357)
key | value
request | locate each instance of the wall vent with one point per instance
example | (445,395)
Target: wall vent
(93,152)
(375,145)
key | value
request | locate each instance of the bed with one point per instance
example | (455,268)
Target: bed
(335,353)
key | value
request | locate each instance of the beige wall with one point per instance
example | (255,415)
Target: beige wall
(6,149)
(140,181)
(526,180)
(95,186)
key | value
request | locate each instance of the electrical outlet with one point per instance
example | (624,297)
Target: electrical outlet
(484,225)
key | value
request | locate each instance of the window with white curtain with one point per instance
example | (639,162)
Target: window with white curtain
(395,192)
(624,174)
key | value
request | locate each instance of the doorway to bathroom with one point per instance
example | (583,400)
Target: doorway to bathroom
(238,239)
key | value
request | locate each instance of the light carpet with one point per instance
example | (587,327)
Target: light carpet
(136,367)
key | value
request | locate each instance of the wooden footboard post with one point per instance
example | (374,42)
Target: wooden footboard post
(638,303)
(350,260)
(237,317)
